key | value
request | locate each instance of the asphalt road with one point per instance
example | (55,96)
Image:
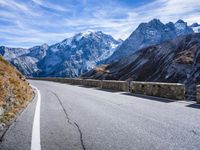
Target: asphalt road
(74,117)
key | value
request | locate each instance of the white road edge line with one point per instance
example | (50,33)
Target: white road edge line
(35,141)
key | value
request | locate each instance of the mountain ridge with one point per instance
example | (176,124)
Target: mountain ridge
(174,61)
(70,57)
(151,33)
(84,51)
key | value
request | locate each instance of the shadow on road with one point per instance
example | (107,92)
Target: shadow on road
(159,99)
(96,88)
(108,90)
(145,97)
(89,87)
(197,106)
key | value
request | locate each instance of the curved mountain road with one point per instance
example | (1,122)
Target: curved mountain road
(75,117)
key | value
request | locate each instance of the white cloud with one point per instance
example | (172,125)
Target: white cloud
(166,10)
(35,25)
(50,5)
(17,7)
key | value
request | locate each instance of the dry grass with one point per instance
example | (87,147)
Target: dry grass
(102,68)
(187,56)
(15,91)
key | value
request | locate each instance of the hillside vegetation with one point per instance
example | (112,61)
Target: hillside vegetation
(15,91)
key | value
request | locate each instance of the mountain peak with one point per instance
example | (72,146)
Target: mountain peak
(155,21)
(143,65)
(195,25)
(45,45)
(180,21)
(87,33)
(151,33)
(70,57)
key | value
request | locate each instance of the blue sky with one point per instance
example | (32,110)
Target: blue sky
(25,23)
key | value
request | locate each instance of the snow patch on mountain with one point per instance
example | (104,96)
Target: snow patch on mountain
(195,27)
(71,57)
(10,53)
(151,33)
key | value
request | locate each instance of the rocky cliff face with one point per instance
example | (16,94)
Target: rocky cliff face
(28,63)
(151,33)
(11,53)
(69,58)
(176,61)
(15,91)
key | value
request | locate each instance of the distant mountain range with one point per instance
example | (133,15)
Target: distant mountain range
(170,61)
(195,27)
(83,52)
(69,58)
(177,61)
(151,33)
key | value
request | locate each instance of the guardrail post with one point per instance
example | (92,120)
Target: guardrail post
(101,84)
(198,94)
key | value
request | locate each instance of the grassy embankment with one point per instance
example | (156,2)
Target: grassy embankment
(15,92)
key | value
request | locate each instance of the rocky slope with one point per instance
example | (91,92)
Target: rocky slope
(71,57)
(151,33)
(176,61)
(84,51)
(28,63)
(77,55)
(14,91)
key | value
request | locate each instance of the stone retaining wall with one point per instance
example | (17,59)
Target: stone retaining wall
(92,83)
(165,90)
(115,85)
(157,89)
(76,81)
(61,80)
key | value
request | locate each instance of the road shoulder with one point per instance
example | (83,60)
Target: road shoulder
(19,130)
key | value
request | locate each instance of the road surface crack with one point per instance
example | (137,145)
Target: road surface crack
(81,135)
(73,123)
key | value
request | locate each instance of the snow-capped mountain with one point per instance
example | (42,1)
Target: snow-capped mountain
(71,57)
(195,27)
(28,63)
(84,51)
(78,54)
(10,53)
(176,61)
(151,33)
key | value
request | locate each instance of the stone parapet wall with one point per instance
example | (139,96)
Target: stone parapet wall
(198,94)
(75,81)
(92,83)
(166,90)
(115,85)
